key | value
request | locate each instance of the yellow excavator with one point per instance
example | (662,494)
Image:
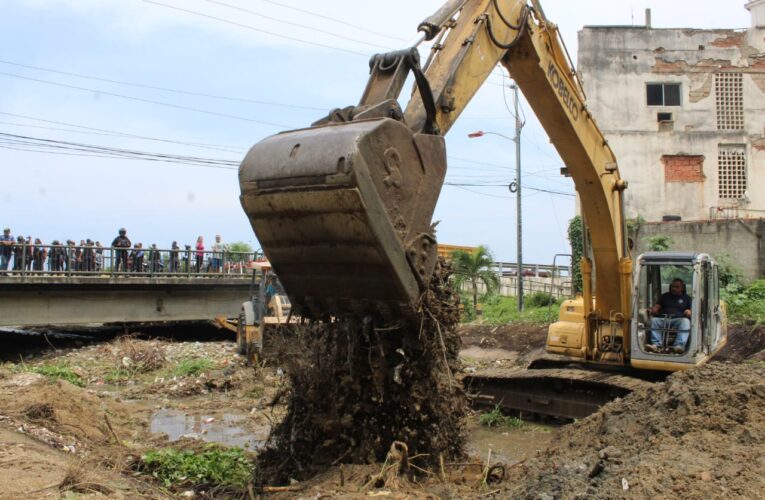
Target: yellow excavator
(343,210)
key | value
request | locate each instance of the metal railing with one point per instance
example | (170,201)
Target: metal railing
(89,260)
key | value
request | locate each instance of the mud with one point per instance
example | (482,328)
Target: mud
(365,391)
(700,434)
(744,343)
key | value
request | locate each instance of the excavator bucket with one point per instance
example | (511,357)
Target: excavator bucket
(343,213)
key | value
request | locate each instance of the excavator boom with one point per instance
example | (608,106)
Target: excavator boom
(343,208)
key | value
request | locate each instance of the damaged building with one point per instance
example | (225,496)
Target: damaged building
(682,109)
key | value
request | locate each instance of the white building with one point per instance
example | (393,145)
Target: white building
(684,111)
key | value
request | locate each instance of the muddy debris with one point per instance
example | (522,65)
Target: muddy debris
(744,343)
(700,434)
(359,389)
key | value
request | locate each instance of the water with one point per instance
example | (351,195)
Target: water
(225,428)
(507,444)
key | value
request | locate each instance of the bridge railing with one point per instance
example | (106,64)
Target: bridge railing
(89,260)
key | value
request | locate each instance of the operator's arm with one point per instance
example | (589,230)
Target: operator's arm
(654,309)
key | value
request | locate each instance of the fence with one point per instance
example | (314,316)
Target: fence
(555,280)
(71,260)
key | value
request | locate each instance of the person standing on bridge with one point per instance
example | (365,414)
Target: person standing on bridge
(174,252)
(39,255)
(200,253)
(120,245)
(218,251)
(19,254)
(6,249)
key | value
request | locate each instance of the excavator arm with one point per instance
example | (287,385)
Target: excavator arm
(343,208)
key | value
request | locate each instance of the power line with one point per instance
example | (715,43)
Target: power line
(113,133)
(42,145)
(148,101)
(311,28)
(252,28)
(163,89)
(345,23)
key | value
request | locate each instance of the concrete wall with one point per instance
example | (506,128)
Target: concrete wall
(740,240)
(672,167)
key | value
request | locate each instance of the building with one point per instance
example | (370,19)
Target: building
(684,111)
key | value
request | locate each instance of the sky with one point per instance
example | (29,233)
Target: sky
(87,86)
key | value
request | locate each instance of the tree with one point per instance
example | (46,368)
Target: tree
(240,251)
(575,238)
(659,243)
(474,268)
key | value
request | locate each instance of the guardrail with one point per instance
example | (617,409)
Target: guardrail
(539,270)
(90,260)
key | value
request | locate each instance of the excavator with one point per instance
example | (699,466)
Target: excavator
(343,211)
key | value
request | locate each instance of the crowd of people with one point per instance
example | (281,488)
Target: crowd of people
(24,254)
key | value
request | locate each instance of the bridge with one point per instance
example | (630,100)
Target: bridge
(69,285)
(79,288)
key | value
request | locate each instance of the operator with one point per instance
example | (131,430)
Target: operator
(675,310)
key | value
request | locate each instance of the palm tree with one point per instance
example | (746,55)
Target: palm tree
(474,267)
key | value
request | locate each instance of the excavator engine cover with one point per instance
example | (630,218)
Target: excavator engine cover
(343,213)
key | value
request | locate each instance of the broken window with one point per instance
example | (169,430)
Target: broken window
(731,171)
(729,99)
(663,94)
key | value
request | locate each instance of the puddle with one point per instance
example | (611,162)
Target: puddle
(509,445)
(223,428)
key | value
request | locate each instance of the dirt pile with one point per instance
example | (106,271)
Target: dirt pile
(65,416)
(359,386)
(701,434)
(744,343)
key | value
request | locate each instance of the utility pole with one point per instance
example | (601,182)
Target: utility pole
(519,225)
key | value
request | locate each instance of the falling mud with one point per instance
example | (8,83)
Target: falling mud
(364,391)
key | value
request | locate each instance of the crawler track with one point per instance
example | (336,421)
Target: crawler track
(561,393)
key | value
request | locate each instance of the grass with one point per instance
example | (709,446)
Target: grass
(213,466)
(495,418)
(192,367)
(503,310)
(57,371)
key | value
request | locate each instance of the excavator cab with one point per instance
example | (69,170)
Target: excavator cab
(656,339)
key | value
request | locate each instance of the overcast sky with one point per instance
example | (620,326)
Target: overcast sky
(212,79)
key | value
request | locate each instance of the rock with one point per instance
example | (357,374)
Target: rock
(609,452)
(705,476)
(24,379)
(597,468)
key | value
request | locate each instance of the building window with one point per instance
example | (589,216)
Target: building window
(731,171)
(663,94)
(729,99)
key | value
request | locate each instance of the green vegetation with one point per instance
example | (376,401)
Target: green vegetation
(238,249)
(192,367)
(474,268)
(575,238)
(745,304)
(214,466)
(659,243)
(502,310)
(57,371)
(495,418)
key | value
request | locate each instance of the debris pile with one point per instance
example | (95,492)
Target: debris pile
(357,387)
(700,434)
(744,343)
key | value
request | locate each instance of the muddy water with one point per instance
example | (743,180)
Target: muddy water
(508,445)
(225,428)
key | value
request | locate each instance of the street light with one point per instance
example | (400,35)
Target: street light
(516,188)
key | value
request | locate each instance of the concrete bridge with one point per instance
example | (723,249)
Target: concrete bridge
(40,300)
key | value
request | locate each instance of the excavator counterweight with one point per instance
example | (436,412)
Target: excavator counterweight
(343,212)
